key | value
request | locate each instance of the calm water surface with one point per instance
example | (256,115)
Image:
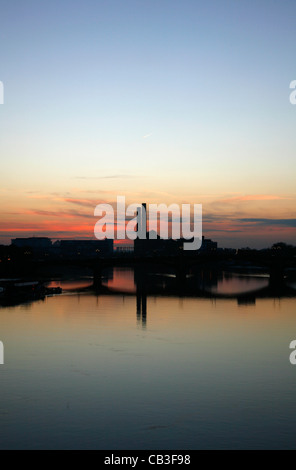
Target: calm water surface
(96,372)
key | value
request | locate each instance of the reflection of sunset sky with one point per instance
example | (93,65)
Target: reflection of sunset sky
(239,284)
(171,102)
(189,318)
(71,285)
(82,372)
(122,280)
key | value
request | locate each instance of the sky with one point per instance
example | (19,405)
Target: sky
(160,101)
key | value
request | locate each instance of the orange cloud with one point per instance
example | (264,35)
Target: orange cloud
(254,197)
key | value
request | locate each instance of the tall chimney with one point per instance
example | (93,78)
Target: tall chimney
(144,218)
(142,221)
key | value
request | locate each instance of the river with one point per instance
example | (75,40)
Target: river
(115,371)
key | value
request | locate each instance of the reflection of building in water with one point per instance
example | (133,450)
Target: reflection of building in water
(141,293)
(207,279)
(142,307)
(251,300)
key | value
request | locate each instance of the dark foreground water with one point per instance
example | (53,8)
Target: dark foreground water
(86,371)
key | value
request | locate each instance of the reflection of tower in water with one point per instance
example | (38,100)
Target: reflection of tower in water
(139,275)
(141,296)
(142,308)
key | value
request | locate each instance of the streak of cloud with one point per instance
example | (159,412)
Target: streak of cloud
(103,177)
(255,197)
(269,222)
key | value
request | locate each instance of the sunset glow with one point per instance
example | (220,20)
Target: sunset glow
(200,114)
